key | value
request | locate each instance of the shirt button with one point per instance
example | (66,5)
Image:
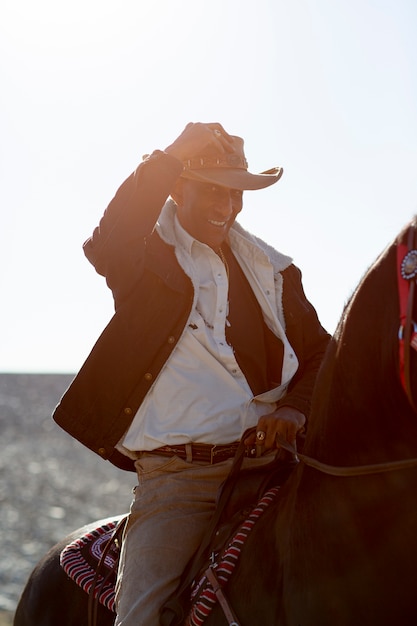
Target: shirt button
(148,376)
(127,411)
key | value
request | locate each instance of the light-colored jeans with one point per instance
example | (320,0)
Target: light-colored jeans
(171,509)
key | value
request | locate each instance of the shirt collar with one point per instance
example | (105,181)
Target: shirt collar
(185,240)
(182,236)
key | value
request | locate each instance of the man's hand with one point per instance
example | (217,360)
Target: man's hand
(196,137)
(285,422)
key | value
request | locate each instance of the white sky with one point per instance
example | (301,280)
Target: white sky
(325,88)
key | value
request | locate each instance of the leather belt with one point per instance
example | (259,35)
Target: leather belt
(202,452)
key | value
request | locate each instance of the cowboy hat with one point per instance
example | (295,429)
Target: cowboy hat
(228,169)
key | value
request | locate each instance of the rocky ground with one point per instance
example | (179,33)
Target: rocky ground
(49,483)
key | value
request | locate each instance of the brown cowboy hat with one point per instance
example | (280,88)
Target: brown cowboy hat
(228,169)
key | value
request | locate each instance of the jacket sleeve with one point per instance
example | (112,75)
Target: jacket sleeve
(116,247)
(308,338)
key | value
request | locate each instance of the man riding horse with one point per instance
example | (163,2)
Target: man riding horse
(212,334)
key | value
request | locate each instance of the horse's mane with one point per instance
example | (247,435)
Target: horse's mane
(358,387)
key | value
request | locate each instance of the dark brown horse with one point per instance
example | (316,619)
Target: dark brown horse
(342,550)
(339,547)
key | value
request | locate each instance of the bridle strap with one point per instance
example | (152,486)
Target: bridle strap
(354,470)
(407,336)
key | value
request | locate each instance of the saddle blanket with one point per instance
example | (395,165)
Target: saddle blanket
(203,596)
(80,559)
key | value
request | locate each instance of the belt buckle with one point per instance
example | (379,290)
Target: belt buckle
(230,450)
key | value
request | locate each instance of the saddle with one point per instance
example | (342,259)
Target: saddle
(239,498)
(92,560)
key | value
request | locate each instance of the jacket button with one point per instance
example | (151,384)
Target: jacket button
(102,452)
(171,339)
(127,411)
(148,376)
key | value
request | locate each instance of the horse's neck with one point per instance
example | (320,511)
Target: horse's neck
(360,413)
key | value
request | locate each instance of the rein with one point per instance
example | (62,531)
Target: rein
(358,470)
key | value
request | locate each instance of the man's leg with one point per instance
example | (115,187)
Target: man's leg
(172,507)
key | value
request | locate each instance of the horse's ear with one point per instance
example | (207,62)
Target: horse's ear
(409,233)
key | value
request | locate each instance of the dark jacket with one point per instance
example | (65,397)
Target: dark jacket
(153,299)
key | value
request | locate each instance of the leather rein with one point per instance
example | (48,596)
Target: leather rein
(350,470)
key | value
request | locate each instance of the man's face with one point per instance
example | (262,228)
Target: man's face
(207,211)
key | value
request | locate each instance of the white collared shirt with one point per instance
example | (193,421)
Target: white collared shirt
(201,394)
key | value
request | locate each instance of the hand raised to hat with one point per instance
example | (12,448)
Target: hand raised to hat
(196,137)
(286,422)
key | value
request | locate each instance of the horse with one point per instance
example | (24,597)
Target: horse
(339,544)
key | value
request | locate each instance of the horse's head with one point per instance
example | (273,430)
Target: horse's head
(361,394)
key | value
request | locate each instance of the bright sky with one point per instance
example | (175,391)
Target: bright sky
(325,88)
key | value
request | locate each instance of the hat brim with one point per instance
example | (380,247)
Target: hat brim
(235,178)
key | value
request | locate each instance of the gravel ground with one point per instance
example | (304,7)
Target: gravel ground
(49,483)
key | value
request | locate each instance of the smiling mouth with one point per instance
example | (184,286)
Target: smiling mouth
(216,223)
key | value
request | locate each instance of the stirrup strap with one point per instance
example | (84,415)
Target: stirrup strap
(221,596)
